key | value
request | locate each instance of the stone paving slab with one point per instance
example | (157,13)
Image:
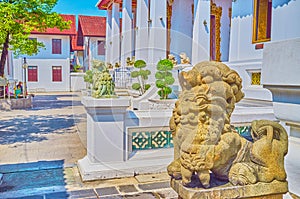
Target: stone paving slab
(127,188)
(82,193)
(107,191)
(152,177)
(143,196)
(156,185)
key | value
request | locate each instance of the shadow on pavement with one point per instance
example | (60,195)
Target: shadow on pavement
(43,102)
(32,128)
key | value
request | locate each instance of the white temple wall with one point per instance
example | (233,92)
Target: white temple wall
(285,21)
(201,35)
(157,47)
(181,28)
(241,47)
(141,30)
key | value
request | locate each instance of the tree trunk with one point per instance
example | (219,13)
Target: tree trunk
(4,55)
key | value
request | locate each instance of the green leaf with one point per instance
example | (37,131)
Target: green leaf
(160,93)
(168,74)
(160,83)
(164,65)
(148,72)
(136,86)
(134,74)
(143,72)
(147,86)
(140,64)
(169,80)
(168,90)
(159,75)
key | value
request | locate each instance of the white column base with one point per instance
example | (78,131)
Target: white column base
(147,162)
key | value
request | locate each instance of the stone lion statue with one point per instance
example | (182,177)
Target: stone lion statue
(204,140)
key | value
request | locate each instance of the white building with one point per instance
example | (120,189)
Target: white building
(49,70)
(230,31)
(91,36)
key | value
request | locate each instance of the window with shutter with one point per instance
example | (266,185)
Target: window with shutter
(56,46)
(32,74)
(262,21)
(101,48)
(56,73)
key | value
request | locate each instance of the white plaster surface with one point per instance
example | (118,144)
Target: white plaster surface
(285,21)
(115,34)
(126,41)
(91,102)
(281,63)
(280,74)
(77,82)
(92,171)
(201,36)
(44,66)
(181,28)
(108,37)
(141,50)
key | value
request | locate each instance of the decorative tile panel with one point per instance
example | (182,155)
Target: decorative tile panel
(163,139)
(151,140)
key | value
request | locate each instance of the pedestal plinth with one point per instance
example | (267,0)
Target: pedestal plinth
(106,120)
(272,190)
(107,143)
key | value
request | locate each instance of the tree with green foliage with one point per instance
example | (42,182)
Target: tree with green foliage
(164,78)
(142,75)
(18,18)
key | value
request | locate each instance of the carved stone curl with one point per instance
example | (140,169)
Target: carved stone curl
(204,141)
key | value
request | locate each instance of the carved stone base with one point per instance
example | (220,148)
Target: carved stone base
(273,190)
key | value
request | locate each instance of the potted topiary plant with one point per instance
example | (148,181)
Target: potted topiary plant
(100,83)
(142,75)
(164,78)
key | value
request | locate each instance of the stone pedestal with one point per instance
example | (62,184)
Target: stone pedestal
(273,190)
(105,134)
(107,143)
(280,74)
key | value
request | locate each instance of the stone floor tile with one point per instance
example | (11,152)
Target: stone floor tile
(156,185)
(83,193)
(167,193)
(113,197)
(106,191)
(127,188)
(152,177)
(142,196)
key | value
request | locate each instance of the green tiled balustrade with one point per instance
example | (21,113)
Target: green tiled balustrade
(163,138)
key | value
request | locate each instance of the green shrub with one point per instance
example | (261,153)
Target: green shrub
(164,78)
(142,75)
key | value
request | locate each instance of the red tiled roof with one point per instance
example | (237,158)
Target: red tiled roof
(92,25)
(76,44)
(56,31)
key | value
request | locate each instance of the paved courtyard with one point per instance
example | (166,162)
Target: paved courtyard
(40,147)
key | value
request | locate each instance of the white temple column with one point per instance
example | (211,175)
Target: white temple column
(141,50)
(201,32)
(108,37)
(115,34)
(126,44)
(157,47)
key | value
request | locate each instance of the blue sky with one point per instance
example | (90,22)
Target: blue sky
(78,7)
